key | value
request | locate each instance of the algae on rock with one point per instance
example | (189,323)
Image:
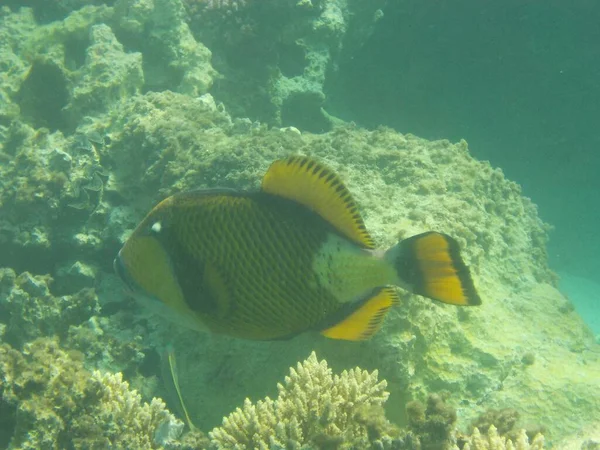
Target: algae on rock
(173,59)
(32,311)
(108,76)
(89,68)
(295,50)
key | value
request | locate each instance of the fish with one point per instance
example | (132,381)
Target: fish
(290,257)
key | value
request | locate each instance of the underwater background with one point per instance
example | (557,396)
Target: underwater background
(107,107)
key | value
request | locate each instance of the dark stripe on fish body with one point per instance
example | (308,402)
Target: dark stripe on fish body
(263,246)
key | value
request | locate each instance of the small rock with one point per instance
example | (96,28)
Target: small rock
(77,276)
(292,130)
(34,286)
(60,161)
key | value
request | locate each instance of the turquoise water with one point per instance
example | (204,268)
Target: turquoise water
(108,107)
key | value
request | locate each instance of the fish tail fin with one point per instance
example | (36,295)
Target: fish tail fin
(361,320)
(430,264)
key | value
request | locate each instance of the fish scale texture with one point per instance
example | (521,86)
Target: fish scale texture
(264,257)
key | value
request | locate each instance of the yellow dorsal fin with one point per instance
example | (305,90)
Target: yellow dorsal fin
(365,321)
(315,186)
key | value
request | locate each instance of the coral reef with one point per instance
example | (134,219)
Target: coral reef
(317,410)
(166,142)
(314,409)
(506,422)
(130,119)
(52,401)
(493,441)
(295,51)
(34,312)
(49,400)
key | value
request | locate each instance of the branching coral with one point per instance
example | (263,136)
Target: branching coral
(507,424)
(56,403)
(142,425)
(50,400)
(314,409)
(493,441)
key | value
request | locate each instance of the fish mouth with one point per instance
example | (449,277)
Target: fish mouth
(121,271)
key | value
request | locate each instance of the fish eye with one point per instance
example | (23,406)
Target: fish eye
(156,227)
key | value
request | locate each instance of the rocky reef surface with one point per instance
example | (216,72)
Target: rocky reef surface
(106,108)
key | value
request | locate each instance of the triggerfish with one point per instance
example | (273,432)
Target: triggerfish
(290,257)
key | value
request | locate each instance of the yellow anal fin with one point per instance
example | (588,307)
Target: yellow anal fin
(441,273)
(315,186)
(363,322)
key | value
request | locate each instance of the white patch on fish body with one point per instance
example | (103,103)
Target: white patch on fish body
(349,271)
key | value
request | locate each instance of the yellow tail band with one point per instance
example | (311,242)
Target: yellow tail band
(430,263)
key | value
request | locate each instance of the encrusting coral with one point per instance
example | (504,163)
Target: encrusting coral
(52,401)
(314,409)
